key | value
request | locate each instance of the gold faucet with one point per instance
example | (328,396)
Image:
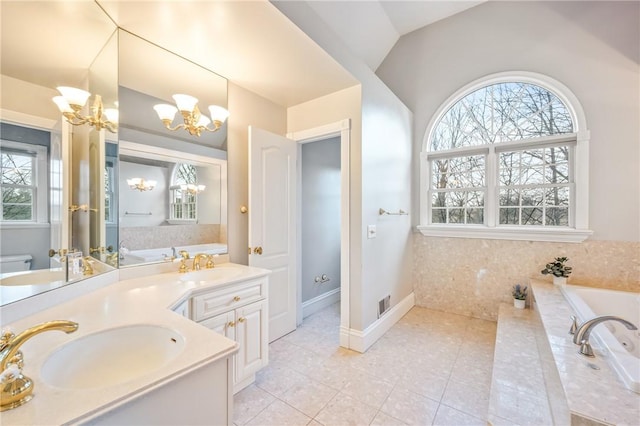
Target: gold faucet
(196,261)
(87,269)
(16,388)
(183,261)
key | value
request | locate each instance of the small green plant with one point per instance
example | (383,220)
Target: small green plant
(519,292)
(557,268)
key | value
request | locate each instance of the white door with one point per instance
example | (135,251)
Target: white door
(272,223)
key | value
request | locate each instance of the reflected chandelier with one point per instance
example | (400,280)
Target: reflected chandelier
(194,121)
(192,189)
(141,184)
(72,101)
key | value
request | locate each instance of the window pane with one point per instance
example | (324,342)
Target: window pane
(531,216)
(509,216)
(557,173)
(438,199)
(532,176)
(17,169)
(509,176)
(558,196)
(16,212)
(439,216)
(559,154)
(532,196)
(455,199)
(17,195)
(475,199)
(456,216)
(509,197)
(557,216)
(533,157)
(475,216)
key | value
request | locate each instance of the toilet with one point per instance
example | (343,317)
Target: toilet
(15,263)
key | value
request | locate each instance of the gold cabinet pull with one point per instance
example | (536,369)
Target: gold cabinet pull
(232,324)
(236,298)
(241,319)
(258,250)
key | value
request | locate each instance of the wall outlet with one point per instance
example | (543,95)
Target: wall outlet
(371,231)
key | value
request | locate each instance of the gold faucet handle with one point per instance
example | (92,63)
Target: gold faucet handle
(184,254)
(87,269)
(183,266)
(209,264)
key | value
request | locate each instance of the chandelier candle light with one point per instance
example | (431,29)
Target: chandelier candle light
(71,102)
(192,189)
(194,122)
(141,184)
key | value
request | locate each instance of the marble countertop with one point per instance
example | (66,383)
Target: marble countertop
(142,300)
(592,388)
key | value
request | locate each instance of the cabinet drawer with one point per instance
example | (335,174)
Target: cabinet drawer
(222,300)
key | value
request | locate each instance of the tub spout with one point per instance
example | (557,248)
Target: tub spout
(581,337)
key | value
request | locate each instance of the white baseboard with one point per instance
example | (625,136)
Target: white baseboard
(360,341)
(312,306)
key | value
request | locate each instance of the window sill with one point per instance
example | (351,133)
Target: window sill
(182,221)
(559,235)
(24,225)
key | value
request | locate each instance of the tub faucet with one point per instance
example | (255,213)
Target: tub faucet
(16,388)
(581,337)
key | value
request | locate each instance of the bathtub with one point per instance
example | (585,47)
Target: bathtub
(160,254)
(621,345)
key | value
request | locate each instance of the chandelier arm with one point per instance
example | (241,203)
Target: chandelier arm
(179,126)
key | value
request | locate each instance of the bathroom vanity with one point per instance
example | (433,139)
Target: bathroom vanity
(207,334)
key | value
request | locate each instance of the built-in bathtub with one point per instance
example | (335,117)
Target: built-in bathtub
(160,254)
(621,346)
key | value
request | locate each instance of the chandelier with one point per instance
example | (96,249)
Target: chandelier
(194,121)
(72,101)
(141,184)
(192,189)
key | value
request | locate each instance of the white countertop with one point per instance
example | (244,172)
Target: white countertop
(593,393)
(145,300)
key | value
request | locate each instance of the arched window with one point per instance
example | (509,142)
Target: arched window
(505,157)
(184,193)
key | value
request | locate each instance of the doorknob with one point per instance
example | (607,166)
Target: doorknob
(258,250)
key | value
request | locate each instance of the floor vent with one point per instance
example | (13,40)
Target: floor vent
(383,305)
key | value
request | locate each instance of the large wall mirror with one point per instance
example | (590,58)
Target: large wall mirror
(79,194)
(171,179)
(51,169)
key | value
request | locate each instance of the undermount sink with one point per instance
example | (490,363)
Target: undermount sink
(111,357)
(217,273)
(40,276)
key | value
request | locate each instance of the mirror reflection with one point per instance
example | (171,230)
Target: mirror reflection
(172,155)
(50,199)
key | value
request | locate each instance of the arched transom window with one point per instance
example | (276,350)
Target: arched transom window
(184,196)
(501,156)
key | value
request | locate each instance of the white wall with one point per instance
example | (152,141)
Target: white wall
(380,173)
(155,201)
(320,216)
(591,47)
(245,108)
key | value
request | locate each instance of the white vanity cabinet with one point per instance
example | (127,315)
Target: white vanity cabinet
(239,312)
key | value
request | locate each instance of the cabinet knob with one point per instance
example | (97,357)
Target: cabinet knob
(241,319)
(236,298)
(258,251)
(232,324)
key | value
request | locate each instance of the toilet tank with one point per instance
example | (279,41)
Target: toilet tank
(15,263)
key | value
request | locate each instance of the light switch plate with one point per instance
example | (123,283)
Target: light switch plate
(371,231)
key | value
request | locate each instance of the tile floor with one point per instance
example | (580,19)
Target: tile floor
(430,368)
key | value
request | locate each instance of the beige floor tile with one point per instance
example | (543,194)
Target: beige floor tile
(279,414)
(423,383)
(447,416)
(366,388)
(249,402)
(410,408)
(467,398)
(382,419)
(345,410)
(309,397)
(277,379)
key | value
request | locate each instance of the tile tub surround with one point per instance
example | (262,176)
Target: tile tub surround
(473,276)
(430,368)
(144,300)
(594,394)
(150,237)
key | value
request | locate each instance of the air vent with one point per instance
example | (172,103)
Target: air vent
(383,305)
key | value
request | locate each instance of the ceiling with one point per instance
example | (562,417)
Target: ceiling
(249,42)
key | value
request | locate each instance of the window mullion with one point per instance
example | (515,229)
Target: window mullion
(491,199)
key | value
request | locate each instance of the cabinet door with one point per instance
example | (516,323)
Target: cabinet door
(251,334)
(224,324)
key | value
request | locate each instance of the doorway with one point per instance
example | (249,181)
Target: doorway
(334,140)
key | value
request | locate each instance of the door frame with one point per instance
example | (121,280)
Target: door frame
(343,130)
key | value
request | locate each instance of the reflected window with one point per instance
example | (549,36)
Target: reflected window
(23,182)
(109,194)
(184,193)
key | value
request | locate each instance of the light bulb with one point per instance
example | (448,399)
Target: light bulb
(203,121)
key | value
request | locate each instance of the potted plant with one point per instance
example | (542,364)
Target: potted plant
(558,269)
(519,296)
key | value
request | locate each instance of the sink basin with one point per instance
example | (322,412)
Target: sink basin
(40,276)
(111,357)
(217,273)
